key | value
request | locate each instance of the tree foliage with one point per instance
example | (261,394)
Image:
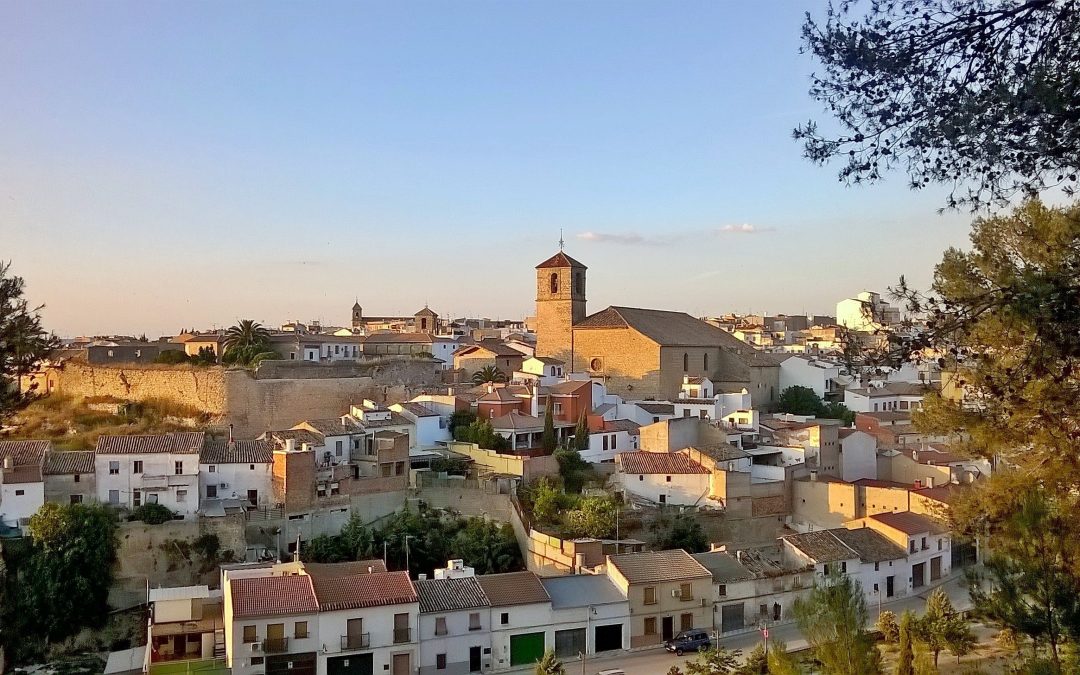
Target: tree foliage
(685,533)
(982,95)
(716,661)
(941,626)
(800,400)
(781,662)
(488,374)
(549,665)
(905,660)
(481,432)
(573,469)
(23,342)
(581,433)
(832,618)
(246,333)
(548,440)
(888,627)
(592,517)
(152,514)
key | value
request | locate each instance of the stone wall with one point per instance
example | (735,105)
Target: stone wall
(202,388)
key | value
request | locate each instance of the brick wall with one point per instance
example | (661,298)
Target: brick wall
(631,362)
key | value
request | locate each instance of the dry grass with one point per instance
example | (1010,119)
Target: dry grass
(988,658)
(70,425)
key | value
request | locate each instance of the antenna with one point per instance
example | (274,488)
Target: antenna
(561,242)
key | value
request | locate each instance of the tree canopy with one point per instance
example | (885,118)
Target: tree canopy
(982,96)
(832,618)
(24,343)
(488,374)
(800,400)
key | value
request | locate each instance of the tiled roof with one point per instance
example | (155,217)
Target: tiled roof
(725,567)
(870,545)
(58,462)
(221,451)
(499,395)
(658,566)
(396,420)
(363,590)
(448,595)
(272,596)
(937,457)
(764,359)
(560,259)
(301,436)
(893,389)
(721,452)
(582,590)
(887,415)
(874,482)
(22,474)
(658,463)
(657,408)
(184,442)
(24,452)
(549,360)
(513,588)
(344,569)
(387,336)
(418,409)
(517,421)
(909,523)
(945,494)
(622,425)
(330,427)
(668,329)
(569,386)
(821,546)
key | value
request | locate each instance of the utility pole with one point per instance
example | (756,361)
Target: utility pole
(384,554)
(407,538)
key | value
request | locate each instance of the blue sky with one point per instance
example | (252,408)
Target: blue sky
(175,164)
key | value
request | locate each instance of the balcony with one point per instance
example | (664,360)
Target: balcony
(402,635)
(361,641)
(191,667)
(275,645)
(154,482)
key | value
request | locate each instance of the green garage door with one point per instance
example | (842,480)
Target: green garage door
(526,649)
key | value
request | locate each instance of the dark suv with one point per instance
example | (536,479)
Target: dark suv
(688,641)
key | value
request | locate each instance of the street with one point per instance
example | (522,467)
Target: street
(658,661)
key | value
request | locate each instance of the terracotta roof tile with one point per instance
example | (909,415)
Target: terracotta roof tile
(909,523)
(179,443)
(220,451)
(272,596)
(513,588)
(24,452)
(658,566)
(821,546)
(363,590)
(658,462)
(59,462)
(560,259)
(447,595)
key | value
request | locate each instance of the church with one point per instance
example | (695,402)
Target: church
(642,353)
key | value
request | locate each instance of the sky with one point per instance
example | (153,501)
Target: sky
(170,165)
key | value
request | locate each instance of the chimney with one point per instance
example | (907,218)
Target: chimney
(232,441)
(8,463)
(304,447)
(534,400)
(421,577)
(813,475)
(490,388)
(370,569)
(290,445)
(929,481)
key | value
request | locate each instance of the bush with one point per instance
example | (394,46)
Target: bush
(172,357)
(152,514)
(889,627)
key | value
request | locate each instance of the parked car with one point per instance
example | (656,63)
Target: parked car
(688,641)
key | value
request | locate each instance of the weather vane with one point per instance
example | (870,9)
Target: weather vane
(561,242)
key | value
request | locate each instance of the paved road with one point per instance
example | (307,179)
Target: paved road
(658,661)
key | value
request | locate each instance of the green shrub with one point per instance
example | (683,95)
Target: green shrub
(152,514)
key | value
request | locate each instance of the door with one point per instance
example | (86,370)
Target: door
(731,617)
(291,664)
(569,643)
(275,638)
(526,649)
(474,659)
(918,575)
(889,584)
(668,630)
(253,497)
(354,664)
(354,635)
(935,568)
(402,664)
(607,638)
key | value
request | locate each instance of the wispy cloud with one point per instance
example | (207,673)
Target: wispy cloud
(612,237)
(745,228)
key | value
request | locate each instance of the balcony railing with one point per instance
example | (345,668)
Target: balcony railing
(402,635)
(360,641)
(275,645)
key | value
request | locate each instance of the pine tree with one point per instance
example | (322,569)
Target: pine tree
(581,433)
(549,440)
(905,662)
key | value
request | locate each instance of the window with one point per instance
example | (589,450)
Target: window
(136,466)
(650,625)
(75,499)
(136,498)
(20,493)
(705,362)
(877,566)
(843,567)
(605,442)
(557,409)
(663,499)
(504,619)
(597,365)
(251,467)
(114,468)
(474,621)
(939,543)
(151,498)
(440,625)
(256,660)
(650,595)
(77,477)
(721,590)
(212,469)
(440,662)
(179,468)
(386,468)
(667,479)
(825,569)
(685,593)
(641,477)
(249,634)
(686,621)
(613,441)
(911,546)
(337,448)
(924,546)
(300,629)
(211,492)
(553,283)
(399,468)
(114,496)
(181,496)
(686,362)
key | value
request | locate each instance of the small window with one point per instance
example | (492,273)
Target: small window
(114,468)
(77,477)
(924,546)
(20,493)
(136,466)
(399,468)
(939,543)
(685,592)
(650,625)
(440,625)
(337,448)
(256,660)
(211,492)
(505,619)
(300,630)
(877,567)
(686,362)
(641,478)
(843,567)
(721,590)
(667,479)
(705,362)
(179,468)
(605,442)
(212,468)
(181,496)
(553,284)
(911,546)
(650,595)
(251,467)
(114,496)
(249,634)
(474,621)
(75,499)
(440,662)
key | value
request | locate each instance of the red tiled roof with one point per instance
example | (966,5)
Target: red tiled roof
(24,453)
(908,522)
(363,590)
(185,442)
(271,596)
(658,462)
(560,259)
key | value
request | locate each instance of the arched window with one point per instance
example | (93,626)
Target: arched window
(705,363)
(554,283)
(685,362)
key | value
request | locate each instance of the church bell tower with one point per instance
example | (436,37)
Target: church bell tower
(560,303)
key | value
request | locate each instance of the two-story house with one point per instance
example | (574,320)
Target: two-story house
(455,617)
(520,617)
(22,487)
(69,476)
(928,544)
(668,592)
(589,615)
(150,469)
(751,589)
(237,470)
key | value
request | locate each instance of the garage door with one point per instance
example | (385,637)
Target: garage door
(608,638)
(291,664)
(356,664)
(731,617)
(569,643)
(526,649)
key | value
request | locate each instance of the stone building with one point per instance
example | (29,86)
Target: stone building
(560,304)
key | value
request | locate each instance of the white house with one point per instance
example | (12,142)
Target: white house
(22,486)
(751,589)
(881,567)
(520,618)
(895,396)
(928,545)
(662,477)
(544,370)
(589,615)
(858,455)
(443,348)
(153,469)
(455,617)
(866,312)
(431,427)
(802,371)
(271,620)
(236,470)
(609,438)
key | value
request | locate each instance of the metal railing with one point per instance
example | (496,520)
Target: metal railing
(402,635)
(356,641)
(275,645)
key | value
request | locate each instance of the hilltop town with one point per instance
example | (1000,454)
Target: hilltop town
(649,472)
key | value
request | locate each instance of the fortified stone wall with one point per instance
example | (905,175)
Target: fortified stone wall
(202,388)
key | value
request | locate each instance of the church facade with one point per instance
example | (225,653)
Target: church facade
(642,353)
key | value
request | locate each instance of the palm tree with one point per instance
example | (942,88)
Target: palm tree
(246,334)
(488,374)
(549,665)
